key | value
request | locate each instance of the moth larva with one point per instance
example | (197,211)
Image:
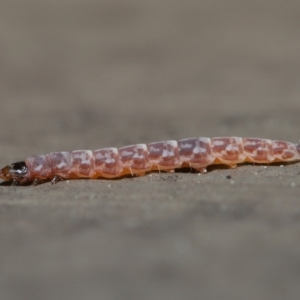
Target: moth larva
(139,159)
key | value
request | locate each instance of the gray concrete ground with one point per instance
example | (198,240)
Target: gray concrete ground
(90,74)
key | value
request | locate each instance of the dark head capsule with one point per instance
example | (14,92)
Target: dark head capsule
(15,170)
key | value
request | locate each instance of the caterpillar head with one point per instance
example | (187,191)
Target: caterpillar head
(14,171)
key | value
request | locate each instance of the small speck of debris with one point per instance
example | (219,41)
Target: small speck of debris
(293,184)
(231,181)
(228,176)
(109,186)
(281,166)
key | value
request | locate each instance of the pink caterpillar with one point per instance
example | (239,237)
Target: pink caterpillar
(196,153)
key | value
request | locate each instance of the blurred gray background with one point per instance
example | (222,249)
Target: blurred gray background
(91,74)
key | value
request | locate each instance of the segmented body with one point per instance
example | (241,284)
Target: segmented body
(196,153)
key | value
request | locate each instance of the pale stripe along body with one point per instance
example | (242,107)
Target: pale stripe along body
(196,153)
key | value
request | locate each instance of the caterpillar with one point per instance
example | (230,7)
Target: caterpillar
(195,153)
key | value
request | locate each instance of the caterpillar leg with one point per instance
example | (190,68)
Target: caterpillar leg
(55,179)
(20,181)
(15,182)
(201,170)
(37,181)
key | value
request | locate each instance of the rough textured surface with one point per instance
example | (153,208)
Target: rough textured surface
(91,74)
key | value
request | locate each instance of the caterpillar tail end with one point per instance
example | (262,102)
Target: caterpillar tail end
(298,149)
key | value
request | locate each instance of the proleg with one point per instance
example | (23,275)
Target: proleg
(140,159)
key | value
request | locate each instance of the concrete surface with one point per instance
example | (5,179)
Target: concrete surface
(90,74)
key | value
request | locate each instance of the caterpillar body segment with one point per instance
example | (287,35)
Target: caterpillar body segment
(139,159)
